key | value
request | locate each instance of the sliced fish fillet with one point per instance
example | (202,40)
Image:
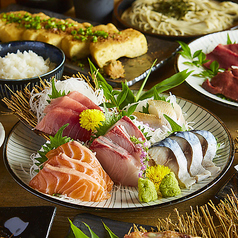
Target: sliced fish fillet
(62,180)
(168,153)
(76,150)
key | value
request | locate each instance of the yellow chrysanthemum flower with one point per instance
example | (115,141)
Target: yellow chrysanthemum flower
(91,118)
(156,174)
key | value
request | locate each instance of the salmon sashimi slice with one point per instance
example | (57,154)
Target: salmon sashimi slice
(62,160)
(83,99)
(58,117)
(65,102)
(75,184)
(75,150)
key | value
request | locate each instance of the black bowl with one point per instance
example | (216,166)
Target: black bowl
(47,51)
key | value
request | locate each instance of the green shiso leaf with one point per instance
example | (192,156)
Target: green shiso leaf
(55,92)
(54,142)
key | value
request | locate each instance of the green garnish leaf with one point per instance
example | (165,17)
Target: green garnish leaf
(77,232)
(54,142)
(174,126)
(166,84)
(111,234)
(55,92)
(93,235)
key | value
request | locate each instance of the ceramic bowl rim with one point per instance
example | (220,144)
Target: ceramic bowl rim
(39,76)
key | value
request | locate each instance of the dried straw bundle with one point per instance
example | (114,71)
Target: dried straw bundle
(19,105)
(19,102)
(222,224)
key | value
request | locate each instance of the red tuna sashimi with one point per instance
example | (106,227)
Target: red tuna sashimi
(52,180)
(224,83)
(75,150)
(65,102)
(225,57)
(83,99)
(57,117)
(119,135)
(130,127)
(62,160)
(121,166)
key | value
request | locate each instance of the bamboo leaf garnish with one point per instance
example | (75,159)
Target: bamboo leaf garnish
(79,234)
(124,100)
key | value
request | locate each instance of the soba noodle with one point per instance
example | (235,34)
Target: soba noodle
(203,17)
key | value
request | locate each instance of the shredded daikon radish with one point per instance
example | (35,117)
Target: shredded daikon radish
(68,85)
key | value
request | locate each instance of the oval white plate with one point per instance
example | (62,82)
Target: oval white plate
(22,142)
(206,44)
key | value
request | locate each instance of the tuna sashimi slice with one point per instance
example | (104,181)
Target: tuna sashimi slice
(65,102)
(225,83)
(77,185)
(62,160)
(224,56)
(76,150)
(130,127)
(121,166)
(119,135)
(57,117)
(83,99)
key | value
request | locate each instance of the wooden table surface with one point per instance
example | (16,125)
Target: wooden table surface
(12,194)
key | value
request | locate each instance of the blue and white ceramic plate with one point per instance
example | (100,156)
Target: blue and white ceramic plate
(22,142)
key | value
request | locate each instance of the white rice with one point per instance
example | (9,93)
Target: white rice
(23,65)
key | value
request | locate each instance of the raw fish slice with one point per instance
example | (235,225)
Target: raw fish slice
(75,150)
(209,148)
(160,107)
(57,117)
(83,99)
(197,154)
(188,146)
(122,167)
(62,160)
(65,102)
(78,186)
(119,136)
(225,57)
(168,152)
(130,127)
(152,120)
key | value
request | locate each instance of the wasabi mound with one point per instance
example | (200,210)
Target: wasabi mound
(169,186)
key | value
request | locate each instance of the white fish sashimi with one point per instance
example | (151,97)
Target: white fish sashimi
(173,110)
(168,152)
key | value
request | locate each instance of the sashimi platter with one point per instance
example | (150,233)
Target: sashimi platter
(86,145)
